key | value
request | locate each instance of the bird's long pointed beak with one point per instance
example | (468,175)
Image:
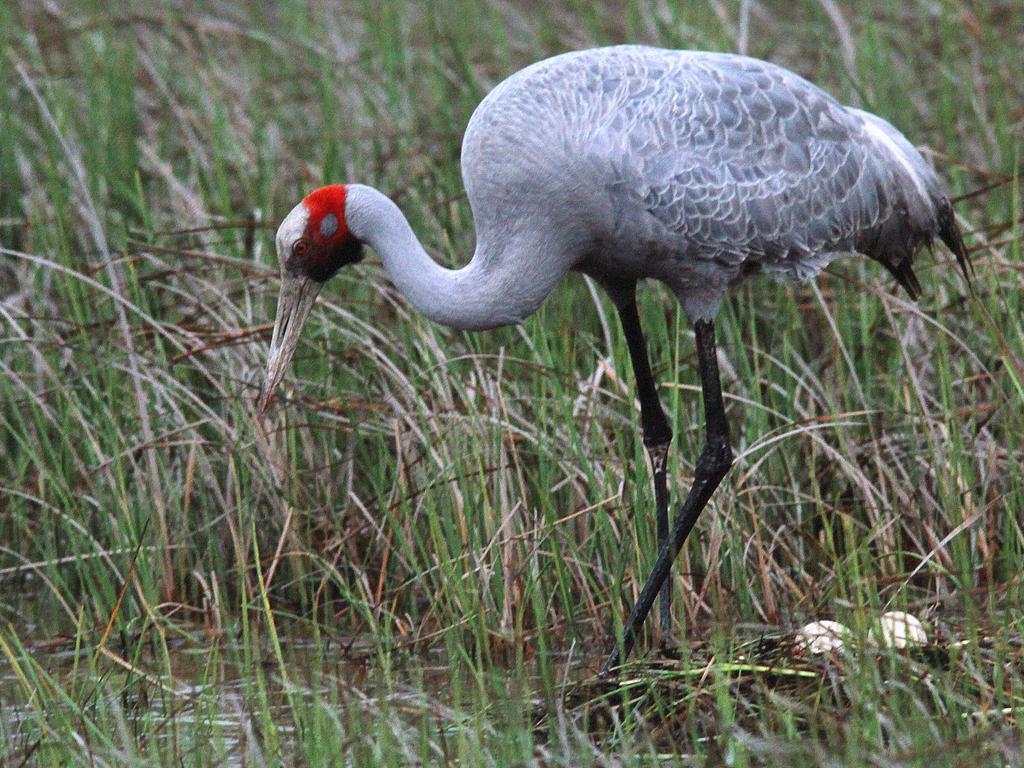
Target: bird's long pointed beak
(293,305)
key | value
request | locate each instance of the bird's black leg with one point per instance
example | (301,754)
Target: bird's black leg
(656,430)
(714,462)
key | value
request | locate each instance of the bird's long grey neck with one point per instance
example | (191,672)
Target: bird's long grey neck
(486,293)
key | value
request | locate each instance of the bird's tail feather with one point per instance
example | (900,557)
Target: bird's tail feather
(896,241)
(949,233)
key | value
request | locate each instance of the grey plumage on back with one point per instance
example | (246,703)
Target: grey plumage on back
(698,169)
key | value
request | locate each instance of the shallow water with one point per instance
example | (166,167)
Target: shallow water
(222,693)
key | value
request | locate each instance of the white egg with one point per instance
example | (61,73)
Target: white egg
(897,629)
(821,637)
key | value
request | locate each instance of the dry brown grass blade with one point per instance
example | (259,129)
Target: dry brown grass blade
(129,577)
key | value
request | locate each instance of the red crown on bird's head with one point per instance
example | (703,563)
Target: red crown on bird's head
(326,244)
(326,206)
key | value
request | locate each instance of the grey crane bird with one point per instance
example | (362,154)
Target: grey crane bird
(696,169)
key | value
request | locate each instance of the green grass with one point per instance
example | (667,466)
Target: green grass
(416,559)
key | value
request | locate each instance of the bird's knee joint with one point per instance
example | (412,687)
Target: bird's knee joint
(657,437)
(717,457)
(657,432)
(657,441)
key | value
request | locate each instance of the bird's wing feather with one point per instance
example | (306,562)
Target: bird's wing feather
(715,159)
(740,159)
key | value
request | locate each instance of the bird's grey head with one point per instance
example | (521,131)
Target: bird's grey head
(313,243)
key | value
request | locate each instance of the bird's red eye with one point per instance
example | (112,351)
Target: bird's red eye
(301,247)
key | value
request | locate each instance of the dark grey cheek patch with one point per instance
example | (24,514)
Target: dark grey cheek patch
(328,225)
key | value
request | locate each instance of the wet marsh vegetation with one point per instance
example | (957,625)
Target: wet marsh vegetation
(416,558)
